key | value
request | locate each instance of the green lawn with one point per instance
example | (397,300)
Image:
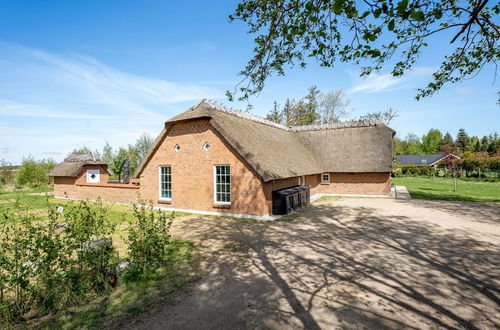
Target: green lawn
(442,189)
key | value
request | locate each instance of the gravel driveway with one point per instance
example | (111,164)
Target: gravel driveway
(345,263)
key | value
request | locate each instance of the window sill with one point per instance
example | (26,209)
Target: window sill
(221,205)
(164,201)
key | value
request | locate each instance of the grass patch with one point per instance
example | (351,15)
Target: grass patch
(442,189)
(129,297)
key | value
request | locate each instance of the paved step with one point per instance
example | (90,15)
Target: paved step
(402,192)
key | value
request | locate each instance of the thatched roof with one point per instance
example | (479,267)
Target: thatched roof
(74,163)
(275,151)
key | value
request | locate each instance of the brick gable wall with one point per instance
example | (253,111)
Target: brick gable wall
(192,172)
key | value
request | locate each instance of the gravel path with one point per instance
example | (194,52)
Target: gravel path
(347,263)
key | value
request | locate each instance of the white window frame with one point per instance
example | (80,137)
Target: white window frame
(160,183)
(215,185)
(323,180)
(97,173)
(302,180)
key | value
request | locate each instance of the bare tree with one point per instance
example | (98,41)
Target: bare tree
(333,106)
(385,116)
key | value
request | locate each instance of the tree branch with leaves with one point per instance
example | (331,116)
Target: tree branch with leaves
(374,34)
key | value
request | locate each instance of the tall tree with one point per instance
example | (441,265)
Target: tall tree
(413,144)
(385,116)
(275,115)
(375,33)
(431,141)
(333,106)
(107,154)
(485,142)
(143,144)
(311,105)
(287,112)
(447,140)
(462,140)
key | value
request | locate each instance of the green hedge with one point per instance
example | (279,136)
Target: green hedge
(411,170)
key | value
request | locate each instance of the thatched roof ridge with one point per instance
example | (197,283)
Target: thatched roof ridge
(84,157)
(73,165)
(276,151)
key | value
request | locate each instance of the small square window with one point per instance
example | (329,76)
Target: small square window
(325,178)
(206,146)
(177,147)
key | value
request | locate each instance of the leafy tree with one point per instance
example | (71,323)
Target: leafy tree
(431,141)
(474,144)
(385,116)
(143,144)
(399,147)
(6,172)
(34,173)
(451,164)
(107,154)
(333,106)
(413,144)
(462,141)
(276,115)
(375,33)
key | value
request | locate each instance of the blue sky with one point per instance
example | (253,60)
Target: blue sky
(76,73)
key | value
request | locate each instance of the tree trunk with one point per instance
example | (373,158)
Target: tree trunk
(455,182)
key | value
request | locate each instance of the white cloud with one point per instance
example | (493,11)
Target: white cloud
(10,108)
(376,83)
(51,103)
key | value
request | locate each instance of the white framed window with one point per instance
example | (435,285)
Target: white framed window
(222,184)
(206,146)
(165,182)
(302,180)
(325,178)
(93,176)
(177,147)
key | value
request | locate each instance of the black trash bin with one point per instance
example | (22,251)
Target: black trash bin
(289,199)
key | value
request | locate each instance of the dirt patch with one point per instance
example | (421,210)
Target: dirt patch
(347,263)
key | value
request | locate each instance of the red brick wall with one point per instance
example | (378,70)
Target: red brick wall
(340,183)
(192,172)
(78,188)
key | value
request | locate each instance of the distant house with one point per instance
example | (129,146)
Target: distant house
(214,160)
(422,160)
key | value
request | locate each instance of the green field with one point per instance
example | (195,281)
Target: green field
(442,189)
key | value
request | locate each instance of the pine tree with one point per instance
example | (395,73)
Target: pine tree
(311,106)
(447,141)
(287,112)
(276,115)
(462,140)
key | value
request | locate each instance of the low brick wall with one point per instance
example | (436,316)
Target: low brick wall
(352,184)
(116,193)
(340,183)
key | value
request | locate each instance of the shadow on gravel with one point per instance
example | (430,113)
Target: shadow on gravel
(337,266)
